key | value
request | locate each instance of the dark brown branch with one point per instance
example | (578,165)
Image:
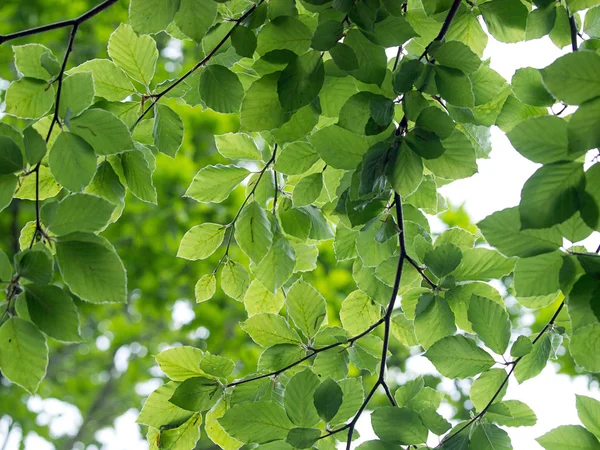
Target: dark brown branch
(445,25)
(161,94)
(57,25)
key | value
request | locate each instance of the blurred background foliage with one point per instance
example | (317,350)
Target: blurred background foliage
(113,369)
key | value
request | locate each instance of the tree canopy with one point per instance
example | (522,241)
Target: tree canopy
(278,161)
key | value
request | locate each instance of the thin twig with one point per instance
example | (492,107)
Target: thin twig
(239,211)
(156,97)
(514,363)
(61,24)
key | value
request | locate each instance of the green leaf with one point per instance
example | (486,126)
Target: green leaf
(234,280)
(398,425)
(11,158)
(244,41)
(506,20)
(238,146)
(168,130)
(540,22)
(482,264)
(24,355)
(550,196)
(538,275)
(583,127)
(344,57)
(151,16)
(511,413)
(306,307)
(457,161)
(328,399)
(201,241)
(91,268)
(215,183)
(77,94)
(303,437)
(284,33)
(258,422)
(528,87)
(29,98)
(136,55)
(574,78)
(296,158)
(28,61)
(298,399)
(72,161)
(105,132)
(437,121)
(521,347)
(405,171)
(47,186)
(484,388)
(425,143)
(53,311)
(327,35)
(443,259)
(569,437)
(542,139)
(184,436)
(6,270)
(217,366)
(138,176)
(180,363)
(454,86)
(77,212)
(35,145)
(35,264)
(253,232)
(458,56)
(261,109)
(584,347)
(308,189)
(259,299)
(277,266)
(205,288)
(371,58)
(459,357)
(591,24)
(110,82)
(359,312)
(533,363)
(270,329)
(159,412)
(300,82)
(503,230)
(221,89)
(391,31)
(490,437)
(588,410)
(197,394)
(194,17)
(339,147)
(434,320)
(491,323)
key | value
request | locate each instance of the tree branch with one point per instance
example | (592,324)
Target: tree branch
(57,25)
(445,25)
(161,94)
(505,381)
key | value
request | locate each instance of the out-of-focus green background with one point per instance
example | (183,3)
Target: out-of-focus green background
(111,371)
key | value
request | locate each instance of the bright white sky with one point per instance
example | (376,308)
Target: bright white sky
(497,186)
